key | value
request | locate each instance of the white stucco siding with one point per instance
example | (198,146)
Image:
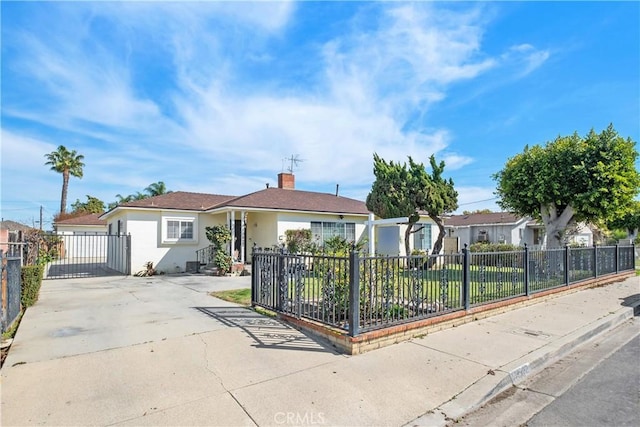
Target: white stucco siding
(464,236)
(149,239)
(262,229)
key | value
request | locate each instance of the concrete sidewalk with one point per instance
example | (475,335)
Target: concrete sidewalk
(160,351)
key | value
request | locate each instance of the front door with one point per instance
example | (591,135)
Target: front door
(238,244)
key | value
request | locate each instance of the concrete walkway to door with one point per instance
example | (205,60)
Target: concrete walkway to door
(161,351)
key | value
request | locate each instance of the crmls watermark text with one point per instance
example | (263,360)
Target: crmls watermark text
(299,418)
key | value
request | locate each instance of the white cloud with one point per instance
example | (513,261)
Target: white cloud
(525,57)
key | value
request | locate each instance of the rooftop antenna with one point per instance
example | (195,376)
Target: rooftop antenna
(294,161)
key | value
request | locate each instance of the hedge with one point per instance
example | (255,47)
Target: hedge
(31,281)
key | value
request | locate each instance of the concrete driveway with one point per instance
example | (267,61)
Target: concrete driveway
(126,350)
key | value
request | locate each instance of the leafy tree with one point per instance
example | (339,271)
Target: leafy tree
(67,163)
(629,220)
(571,178)
(92,205)
(399,191)
(156,189)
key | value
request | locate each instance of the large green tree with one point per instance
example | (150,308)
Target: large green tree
(92,205)
(571,179)
(401,191)
(68,163)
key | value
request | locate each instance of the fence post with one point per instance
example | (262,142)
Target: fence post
(281,291)
(466,277)
(4,300)
(526,270)
(354,292)
(567,254)
(595,261)
(128,255)
(254,277)
(617,258)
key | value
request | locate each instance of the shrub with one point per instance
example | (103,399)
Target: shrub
(219,236)
(31,281)
(298,241)
(515,257)
(493,247)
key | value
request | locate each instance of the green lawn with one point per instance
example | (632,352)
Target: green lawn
(401,284)
(238,296)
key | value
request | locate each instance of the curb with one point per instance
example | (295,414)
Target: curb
(495,382)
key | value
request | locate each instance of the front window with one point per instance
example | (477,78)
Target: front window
(179,229)
(323,231)
(422,237)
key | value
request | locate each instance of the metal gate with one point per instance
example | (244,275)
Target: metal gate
(11,290)
(87,255)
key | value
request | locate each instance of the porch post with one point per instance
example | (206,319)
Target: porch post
(371,235)
(232,221)
(230,244)
(243,233)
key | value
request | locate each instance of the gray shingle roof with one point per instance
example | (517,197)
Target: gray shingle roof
(90,219)
(297,200)
(180,200)
(270,198)
(482,219)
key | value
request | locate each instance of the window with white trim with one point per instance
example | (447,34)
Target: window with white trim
(422,237)
(323,231)
(178,230)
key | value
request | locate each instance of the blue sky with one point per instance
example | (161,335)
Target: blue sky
(212,97)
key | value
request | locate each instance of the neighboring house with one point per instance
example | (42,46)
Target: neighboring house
(505,227)
(83,238)
(11,232)
(85,224)
(390,238)
(168,229)
(494,227)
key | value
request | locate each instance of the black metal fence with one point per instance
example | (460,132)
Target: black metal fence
(360,294)
(88,255)
(11,289)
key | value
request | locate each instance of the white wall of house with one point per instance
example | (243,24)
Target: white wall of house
(149,241)
(390,238)
(262,229)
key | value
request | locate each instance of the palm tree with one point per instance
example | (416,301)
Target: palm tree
(67,163)
(156,189)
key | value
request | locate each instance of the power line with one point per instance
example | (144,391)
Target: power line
(478,201)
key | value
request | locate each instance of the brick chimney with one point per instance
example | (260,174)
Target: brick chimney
(286,180)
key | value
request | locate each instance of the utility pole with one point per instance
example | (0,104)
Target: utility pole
(40,217)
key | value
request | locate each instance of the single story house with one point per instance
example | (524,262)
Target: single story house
(90,224)
(169,229)
(505,227)
(12,232)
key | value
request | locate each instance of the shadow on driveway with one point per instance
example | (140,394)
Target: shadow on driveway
(265,331)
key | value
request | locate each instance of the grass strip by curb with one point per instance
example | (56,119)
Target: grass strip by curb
(236,296)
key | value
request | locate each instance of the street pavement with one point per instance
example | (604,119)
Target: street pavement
(161,351)
(607,396)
